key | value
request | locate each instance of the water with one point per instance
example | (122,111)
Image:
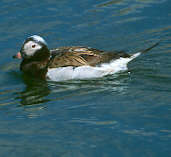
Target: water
(123,115)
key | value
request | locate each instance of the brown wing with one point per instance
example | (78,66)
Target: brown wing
(79,56)
(74,56)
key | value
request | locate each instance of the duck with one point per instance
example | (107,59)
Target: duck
(72,62)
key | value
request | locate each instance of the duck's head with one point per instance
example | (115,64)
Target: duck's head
(34,47)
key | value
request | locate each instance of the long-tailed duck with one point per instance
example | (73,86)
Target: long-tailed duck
(76,62)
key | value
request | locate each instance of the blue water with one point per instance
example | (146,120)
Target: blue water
(123,115)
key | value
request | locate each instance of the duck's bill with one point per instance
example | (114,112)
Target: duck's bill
(18,55)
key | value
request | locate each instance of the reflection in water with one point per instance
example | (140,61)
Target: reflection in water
(112,83)
(34,93)
(38,92)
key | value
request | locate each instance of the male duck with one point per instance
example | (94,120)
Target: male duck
(74,62)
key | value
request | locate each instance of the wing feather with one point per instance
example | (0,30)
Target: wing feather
(74,56)
(79,56)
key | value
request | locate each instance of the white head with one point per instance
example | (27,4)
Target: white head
(38,39)
(32,45)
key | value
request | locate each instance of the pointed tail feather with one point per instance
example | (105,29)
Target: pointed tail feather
(148,49)
(135,55)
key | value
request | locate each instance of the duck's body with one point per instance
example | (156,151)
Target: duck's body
(66,63)
(80,56)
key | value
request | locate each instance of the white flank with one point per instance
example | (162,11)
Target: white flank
(85,72)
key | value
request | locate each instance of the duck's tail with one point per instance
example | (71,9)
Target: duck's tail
(135,55)
(148,49)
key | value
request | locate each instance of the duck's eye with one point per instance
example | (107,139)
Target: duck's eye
(33,46)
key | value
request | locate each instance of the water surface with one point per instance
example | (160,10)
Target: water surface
(123,115)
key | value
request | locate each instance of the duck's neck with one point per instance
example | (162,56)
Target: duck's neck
(36,67)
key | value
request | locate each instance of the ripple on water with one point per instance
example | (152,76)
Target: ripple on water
(127,114)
